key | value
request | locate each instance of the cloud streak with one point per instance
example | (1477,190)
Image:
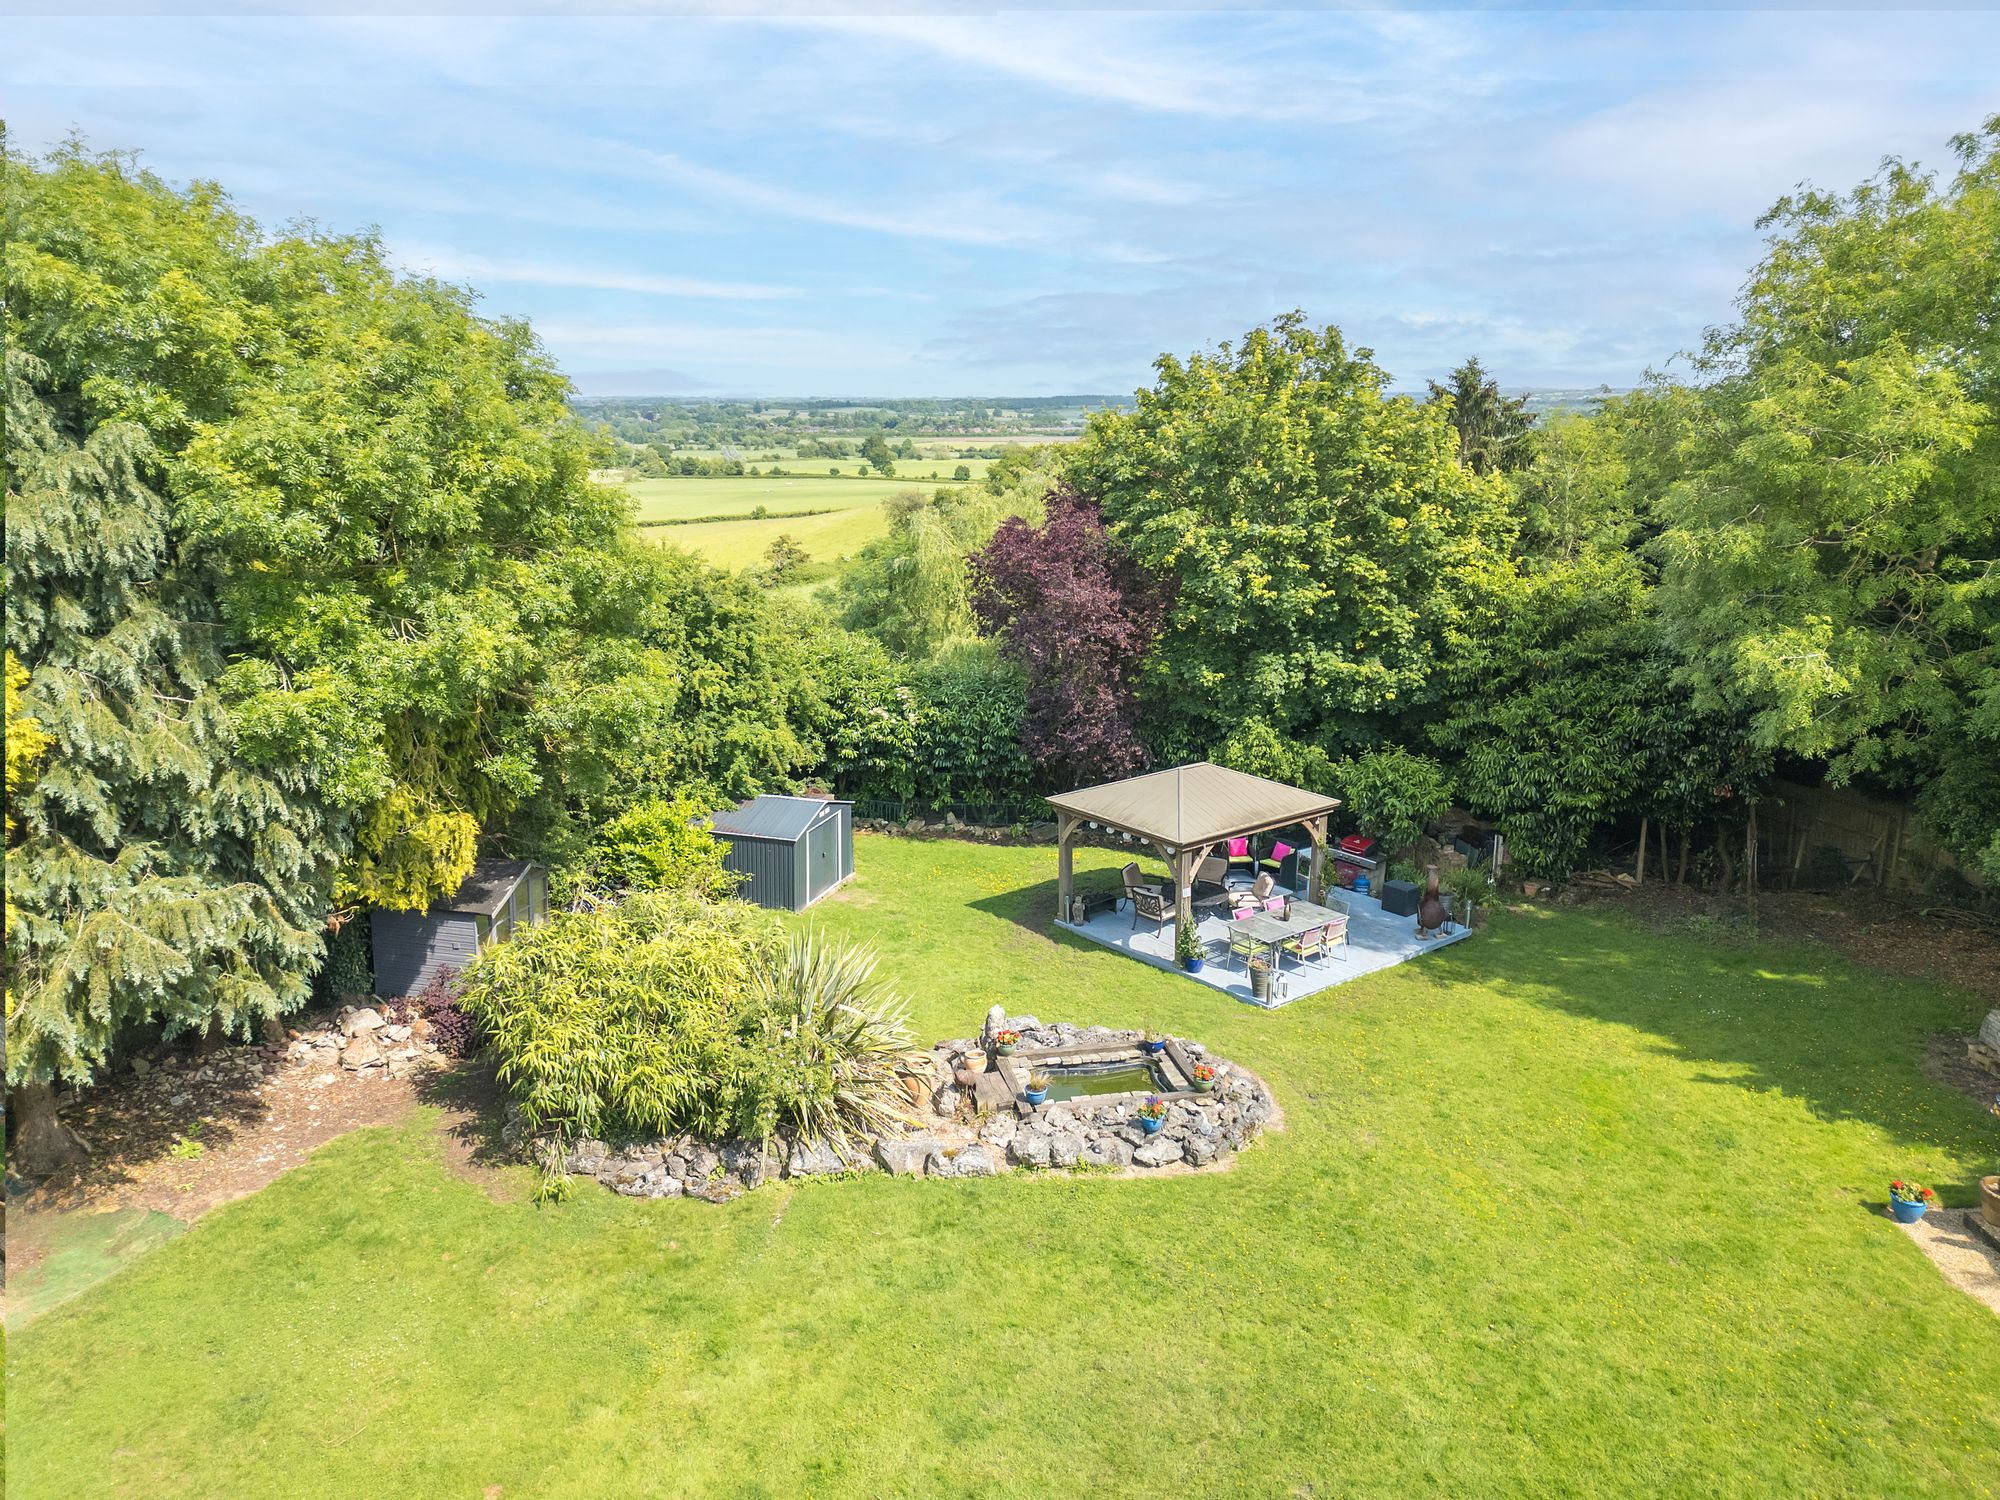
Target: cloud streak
(1034,200)
(477,269)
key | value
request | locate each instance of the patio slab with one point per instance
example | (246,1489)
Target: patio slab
(1375,940)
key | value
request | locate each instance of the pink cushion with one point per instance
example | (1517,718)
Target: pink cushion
(1276,903)
(1239,848)
(1279,850)
(1241,912)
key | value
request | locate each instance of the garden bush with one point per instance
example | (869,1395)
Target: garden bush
(823,1047)
(437,1003)
(670,1012)
(1392,794)
(659,845)
(347,969)
(622,1020)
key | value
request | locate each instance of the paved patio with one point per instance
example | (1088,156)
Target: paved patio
(1375,940)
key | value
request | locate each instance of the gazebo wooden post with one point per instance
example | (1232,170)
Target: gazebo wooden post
(1066,826)
(1184,862)
(1315,876)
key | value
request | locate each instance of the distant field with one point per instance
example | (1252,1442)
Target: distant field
(671,499)
(919,468)
(742,544)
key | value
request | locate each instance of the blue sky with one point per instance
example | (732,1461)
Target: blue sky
(1030,201)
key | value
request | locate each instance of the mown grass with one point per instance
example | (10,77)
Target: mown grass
(1571,1209)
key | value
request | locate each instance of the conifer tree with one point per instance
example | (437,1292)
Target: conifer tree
(157,876)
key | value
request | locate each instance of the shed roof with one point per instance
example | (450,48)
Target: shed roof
(1197,804)
(486,889)
(771,817)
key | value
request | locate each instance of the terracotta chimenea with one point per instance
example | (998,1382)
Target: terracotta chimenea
(1430,913)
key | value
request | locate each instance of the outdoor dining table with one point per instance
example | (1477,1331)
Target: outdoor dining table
(1269,929)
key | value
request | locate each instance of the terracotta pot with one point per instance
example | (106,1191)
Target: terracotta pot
(1989,1199)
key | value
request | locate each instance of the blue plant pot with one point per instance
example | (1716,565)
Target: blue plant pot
(1192,965)
(1907,1213)
(1034,1096)
(1151,1127)
(1158,1047)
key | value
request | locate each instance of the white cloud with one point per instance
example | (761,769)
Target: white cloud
(959,218)
(452,266)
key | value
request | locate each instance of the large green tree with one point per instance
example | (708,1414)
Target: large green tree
(1327,549)
(1830,492)
(314,594)
(159,875)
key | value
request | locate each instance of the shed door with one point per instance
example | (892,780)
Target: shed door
(823,852)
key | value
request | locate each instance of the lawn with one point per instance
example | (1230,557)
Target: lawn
(1570,1209)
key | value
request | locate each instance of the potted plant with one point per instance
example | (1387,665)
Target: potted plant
(1152,1114)
(1038,1086)
(1204,1077)
(1152,1042)
(1187,947)
(1005,1040)
(1908,1200)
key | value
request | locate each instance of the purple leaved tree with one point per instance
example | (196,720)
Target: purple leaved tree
(1077,615)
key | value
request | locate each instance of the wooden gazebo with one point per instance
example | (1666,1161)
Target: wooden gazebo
(1185,814)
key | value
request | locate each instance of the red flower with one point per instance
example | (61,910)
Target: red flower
(1929,1194)
(1897,1183)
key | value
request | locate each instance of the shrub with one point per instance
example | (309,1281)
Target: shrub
(438,1004)
(624,1019)
(666,1012)
(1468,884)
(657,846)
(347,969)
(1393,793)
(824,1048)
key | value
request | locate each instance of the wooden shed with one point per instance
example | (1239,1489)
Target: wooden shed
(793,850)
(411,946)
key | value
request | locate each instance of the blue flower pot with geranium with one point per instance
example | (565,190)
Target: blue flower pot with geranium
(1152,1114)
(1908,1201)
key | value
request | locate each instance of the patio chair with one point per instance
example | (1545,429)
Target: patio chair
(1242,944)
(1334,935)
(1241,861)
(1151,904)
(1211,886)
(1261,890)
(1307,945)
(1273,864)
(1135,881)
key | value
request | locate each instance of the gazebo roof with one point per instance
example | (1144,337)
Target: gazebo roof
(1197,804)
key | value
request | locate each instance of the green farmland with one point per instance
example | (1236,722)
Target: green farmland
(742,544)
(686,499)
(853,514)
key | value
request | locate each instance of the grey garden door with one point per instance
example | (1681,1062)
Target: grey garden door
(823,852)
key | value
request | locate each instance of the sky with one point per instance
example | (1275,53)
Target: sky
(1030,202)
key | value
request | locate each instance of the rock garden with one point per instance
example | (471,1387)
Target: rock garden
(974,1111)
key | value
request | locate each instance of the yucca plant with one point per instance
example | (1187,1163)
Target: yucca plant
(829,1044)
(1469,884)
